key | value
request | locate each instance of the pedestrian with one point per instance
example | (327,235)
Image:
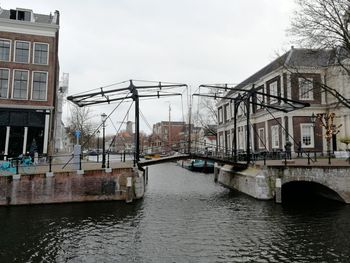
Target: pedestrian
(288,149)
(33,149)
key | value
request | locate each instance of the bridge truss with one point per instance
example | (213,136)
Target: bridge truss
(249,97)
(131,91)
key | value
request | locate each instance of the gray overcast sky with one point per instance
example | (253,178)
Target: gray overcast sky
(184,41)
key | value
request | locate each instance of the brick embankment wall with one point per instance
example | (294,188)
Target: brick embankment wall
(64,187)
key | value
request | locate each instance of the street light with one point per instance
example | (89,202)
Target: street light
(103,117)
(98,145)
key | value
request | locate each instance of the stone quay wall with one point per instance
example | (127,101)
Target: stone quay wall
(64,187)
(265,182)
(336,178)
(252,181)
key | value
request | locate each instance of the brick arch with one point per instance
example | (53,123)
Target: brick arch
(340,195)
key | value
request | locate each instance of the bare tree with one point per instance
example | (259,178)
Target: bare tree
(80,120)
(324,24)
(206,114)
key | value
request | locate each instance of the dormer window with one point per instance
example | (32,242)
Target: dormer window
(21,15)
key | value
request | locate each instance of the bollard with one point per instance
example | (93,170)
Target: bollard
(50,164)
(108,159)
(17,163)
(81,156)
(264,158)
(329,157)
(308,158)
(315,156)
(124,157)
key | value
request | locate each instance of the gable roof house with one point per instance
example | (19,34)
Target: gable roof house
(300,75)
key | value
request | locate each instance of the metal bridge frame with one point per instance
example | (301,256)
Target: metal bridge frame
(244,95)
(102,96)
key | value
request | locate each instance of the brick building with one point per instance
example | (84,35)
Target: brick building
(29,71)
(166,136)
(298,74)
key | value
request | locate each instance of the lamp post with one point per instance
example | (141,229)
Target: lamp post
(103,117)
(98,145)
(313,119)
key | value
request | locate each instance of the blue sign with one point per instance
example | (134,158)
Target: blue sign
(77,134)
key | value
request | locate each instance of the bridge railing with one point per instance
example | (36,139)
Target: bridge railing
(10,165)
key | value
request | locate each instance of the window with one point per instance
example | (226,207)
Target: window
(241,138)
(260,99)
(41,53)
(22,52)
(39,85)
(5,50)
(221,141)
(261,139)
(273,91)
(20,84)
(227,112)
(4,83)
(275,138)
(220,115)
(306,89)
(241,109)
(307,135)
(232,108)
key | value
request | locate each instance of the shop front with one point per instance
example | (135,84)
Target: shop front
(23,131)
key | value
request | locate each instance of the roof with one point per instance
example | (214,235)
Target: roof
(295,57)
(38,18)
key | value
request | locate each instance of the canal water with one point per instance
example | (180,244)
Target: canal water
(184,217)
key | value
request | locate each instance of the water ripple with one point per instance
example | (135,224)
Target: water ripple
(184,217)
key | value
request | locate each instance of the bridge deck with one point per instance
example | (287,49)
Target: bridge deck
(236,165)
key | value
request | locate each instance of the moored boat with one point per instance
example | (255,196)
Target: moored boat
(198,165)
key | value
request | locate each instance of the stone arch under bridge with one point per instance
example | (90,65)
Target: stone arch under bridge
(335,179)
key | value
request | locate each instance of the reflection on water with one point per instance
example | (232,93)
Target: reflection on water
(184,217)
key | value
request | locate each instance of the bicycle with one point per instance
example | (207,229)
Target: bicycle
(27,165)
(7,168)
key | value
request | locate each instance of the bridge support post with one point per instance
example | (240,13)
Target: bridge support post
(216,172)
(278,191)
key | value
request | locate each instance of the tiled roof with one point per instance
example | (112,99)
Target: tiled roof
(293,58)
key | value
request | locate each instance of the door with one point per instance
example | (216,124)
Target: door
(16,141)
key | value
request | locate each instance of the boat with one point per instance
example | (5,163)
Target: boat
(152,156)
(198,165)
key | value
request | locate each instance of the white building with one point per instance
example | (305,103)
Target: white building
(299,74)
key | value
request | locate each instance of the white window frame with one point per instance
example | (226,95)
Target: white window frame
(8,83)
(241,138)
(221,142)
(227,109)
(48,53)
(29,52)
(260,98)
(220,113)
(273,87)
(312,135)
(5,39)
(232,109)
(261,139)
(13,84)
(275,137)
(303,84)
(32,85)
